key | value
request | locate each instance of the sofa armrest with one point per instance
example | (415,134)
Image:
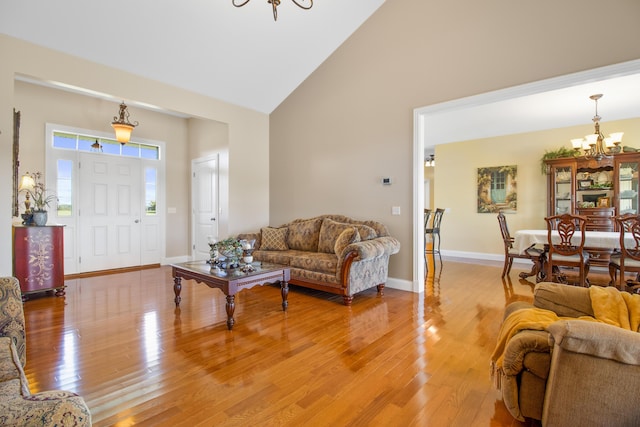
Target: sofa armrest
(523,343)
(48,408)
(12,315)
(598,340)
(373,248)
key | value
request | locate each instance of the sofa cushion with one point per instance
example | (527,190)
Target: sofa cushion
(347,237)
(318,262)
(274,257)
(329,232)
(274,239)
(303,235)
(564,300)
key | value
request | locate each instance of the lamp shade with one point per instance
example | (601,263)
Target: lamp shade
(123,132)
(27,183)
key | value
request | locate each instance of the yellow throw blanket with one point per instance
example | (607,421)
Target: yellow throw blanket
(616,308)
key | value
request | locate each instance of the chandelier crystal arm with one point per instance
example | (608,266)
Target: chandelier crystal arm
(239,4)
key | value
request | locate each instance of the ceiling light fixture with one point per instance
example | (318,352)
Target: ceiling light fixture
(595,145)
(431,161)
(122,126)
(275,3)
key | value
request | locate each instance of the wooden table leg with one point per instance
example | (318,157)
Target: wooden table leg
(284,291)
(177,287)
(231,307)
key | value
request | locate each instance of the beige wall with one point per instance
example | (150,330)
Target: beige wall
(350,123)
(40,105)
(246,141)
(459,162)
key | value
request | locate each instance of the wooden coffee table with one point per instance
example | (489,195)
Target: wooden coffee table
(231,281)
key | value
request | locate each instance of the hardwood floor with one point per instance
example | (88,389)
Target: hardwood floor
(402,359)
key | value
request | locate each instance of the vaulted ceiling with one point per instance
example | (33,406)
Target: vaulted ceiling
(238,55)
(244,57)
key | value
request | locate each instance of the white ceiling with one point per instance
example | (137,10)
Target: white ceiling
(237,55)
(241,56)
(551,104)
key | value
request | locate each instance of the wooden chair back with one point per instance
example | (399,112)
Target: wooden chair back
(567,226)
(504,230)
(629,224)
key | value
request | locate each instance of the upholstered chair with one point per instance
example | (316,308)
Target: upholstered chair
(571,358)
(18,406)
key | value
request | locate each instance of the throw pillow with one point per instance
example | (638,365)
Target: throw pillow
(274,239)
(366,232)
(303,235)
(348,236)
(329,233)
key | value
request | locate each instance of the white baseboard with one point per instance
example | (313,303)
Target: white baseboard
(403,285)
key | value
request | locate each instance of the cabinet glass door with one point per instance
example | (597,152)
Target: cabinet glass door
(563,191)
(628,187)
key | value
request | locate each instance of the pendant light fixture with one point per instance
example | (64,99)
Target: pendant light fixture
(122,126)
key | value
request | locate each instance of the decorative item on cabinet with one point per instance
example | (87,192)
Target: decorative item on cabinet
(38,259)
(31,184)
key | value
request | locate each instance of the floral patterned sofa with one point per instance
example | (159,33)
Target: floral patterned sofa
(18,407)
(331,253)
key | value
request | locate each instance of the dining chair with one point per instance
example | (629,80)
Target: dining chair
(564,250)
(628,259)
(510,253)
(432,231)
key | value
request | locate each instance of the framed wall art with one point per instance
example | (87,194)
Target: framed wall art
(497,190)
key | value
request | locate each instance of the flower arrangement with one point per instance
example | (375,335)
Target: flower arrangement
(34,187)
(229,248)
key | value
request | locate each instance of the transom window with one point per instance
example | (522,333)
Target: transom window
(78,142)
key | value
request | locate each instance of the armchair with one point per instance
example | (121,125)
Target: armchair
(570,369)
(17,405)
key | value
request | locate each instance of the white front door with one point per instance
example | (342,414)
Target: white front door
(110,212)
(204,206)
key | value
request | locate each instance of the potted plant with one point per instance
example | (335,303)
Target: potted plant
(38,195)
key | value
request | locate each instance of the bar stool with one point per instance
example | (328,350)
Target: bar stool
(432,231)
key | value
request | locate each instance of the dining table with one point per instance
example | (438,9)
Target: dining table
(597,240)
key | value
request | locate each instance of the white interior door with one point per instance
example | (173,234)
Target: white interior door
(110,212)
(204,206)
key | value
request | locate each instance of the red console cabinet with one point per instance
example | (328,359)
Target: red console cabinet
(38,258)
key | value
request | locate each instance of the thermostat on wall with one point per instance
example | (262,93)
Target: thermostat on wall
(386,181)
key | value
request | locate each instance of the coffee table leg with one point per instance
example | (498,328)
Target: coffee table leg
(284,291)
(231,307)
(177,287)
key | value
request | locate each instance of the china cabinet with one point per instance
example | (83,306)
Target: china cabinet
(598,190)
(38,259)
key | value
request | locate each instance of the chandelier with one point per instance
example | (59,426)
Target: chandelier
(595,145)
(122,126)
(275,3)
